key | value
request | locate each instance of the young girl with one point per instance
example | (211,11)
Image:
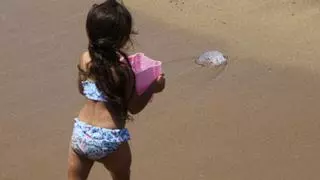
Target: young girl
(107,81)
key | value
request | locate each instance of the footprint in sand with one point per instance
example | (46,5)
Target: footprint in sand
(178,4)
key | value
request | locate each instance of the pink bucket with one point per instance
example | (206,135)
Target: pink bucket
(146,71)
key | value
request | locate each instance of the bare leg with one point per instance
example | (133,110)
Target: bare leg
(78,167)
(119,162)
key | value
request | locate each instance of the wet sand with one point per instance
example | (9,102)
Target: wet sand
(258,119)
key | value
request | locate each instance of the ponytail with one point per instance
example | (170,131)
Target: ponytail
(109,26)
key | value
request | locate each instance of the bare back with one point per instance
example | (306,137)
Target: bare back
(95,112)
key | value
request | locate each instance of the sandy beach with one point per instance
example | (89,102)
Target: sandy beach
(256,120)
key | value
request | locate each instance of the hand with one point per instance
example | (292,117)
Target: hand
(159,84)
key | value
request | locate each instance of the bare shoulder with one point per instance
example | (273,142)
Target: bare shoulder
(85,61)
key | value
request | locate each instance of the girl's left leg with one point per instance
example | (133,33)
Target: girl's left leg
(78,167)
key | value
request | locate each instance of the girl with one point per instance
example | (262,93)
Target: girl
(108,83)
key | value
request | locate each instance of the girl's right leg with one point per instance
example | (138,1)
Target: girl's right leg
(119,162)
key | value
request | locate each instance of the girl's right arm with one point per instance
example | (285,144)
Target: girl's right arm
(138,102)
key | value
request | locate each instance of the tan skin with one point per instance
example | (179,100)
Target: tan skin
(96,114)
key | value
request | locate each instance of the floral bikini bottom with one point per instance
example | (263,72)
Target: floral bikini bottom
(96,142)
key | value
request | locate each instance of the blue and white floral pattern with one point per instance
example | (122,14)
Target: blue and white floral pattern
(91,91)
(96,142)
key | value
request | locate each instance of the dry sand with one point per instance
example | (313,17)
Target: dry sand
(257,120)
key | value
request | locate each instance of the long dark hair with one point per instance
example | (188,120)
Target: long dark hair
(109,26)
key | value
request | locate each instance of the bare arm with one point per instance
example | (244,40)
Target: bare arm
(138,102)
(83,70)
